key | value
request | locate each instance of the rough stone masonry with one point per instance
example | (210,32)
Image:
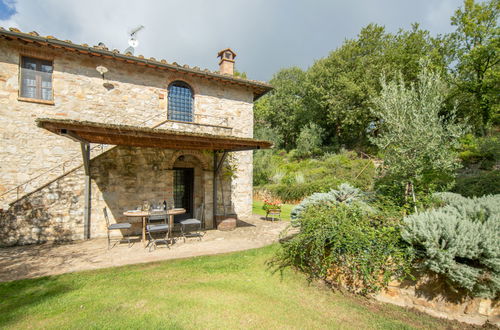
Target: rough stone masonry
(122,177)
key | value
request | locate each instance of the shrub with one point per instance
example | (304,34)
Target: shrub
(394,190)
(342,244)
(484,151)
(345,194)
(271,205)
(296,192)
(298,179)
(479,184)
(309,141)
(459,241)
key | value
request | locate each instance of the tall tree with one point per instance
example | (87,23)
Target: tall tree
(417,143)
(283,109)
(342,85)
(476,42)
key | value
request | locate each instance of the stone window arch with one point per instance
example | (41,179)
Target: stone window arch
(202,158)
(180,101)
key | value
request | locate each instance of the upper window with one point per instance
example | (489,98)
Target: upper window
(36,79)
(180,102)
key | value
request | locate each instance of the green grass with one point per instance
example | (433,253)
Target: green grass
(228,291)
(285,209)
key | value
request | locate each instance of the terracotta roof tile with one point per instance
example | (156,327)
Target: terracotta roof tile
(260,88)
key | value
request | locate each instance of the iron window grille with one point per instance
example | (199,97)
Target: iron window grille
(180,102)
(36,79)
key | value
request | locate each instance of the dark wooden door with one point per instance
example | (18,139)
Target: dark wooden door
(183,191)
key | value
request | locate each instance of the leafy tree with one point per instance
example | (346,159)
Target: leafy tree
(416,142)
(341,86)
(283,109)
(239,74)
(310,140)
(476,42)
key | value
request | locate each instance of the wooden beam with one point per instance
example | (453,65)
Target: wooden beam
(87,201)
(215,197)
(141,137)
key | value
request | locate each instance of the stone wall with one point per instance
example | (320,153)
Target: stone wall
(53,213)
(431,295)
(121,179)
(129,94)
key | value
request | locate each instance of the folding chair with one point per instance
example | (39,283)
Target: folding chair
(157,225)
(194,223)
(115,226)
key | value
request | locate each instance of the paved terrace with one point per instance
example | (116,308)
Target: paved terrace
(50,259)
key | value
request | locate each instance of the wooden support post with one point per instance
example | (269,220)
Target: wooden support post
(217,168)
(215,190)
(87,208)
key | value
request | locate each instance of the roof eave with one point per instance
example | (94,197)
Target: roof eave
(259,88)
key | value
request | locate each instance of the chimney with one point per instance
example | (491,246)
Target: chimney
(226,64)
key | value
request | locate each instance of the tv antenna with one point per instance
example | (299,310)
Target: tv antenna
(132,40)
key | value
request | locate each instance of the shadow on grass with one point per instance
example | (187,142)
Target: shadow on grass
(18,296)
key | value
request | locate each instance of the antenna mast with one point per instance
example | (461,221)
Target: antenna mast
(132,41)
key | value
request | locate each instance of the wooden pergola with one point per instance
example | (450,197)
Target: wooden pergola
(87,132)
(135,136)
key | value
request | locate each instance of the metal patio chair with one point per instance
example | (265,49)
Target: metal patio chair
(157,224)
(195,224)
(116,226)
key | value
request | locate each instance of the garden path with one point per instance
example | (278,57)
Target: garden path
(50,259)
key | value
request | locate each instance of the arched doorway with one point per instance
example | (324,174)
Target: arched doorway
(188,185)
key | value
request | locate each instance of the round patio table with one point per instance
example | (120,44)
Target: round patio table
(145,214)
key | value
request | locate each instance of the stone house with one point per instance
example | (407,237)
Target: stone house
(150,130)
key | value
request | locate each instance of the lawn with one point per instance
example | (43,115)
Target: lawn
(234,290)
(285,209)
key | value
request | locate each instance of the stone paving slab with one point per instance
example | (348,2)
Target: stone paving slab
(50,259)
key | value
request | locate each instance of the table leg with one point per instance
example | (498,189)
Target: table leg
(170,226)
(144,231)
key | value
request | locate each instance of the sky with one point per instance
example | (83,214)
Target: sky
(267,35)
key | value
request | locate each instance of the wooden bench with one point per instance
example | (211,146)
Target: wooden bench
(273,214)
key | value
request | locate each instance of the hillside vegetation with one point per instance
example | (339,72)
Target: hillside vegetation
(291,179)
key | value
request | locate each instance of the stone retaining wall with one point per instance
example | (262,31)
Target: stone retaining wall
(432,296)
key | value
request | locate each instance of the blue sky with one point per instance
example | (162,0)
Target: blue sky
(267,35)
(7,9)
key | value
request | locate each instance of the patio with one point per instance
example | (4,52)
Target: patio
(50,259)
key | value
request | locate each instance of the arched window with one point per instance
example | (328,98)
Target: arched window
(180,101)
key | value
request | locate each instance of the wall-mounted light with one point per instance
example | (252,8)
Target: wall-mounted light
(102,70)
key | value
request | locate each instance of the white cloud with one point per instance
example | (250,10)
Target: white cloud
(267,35)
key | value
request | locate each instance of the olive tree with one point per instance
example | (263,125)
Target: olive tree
(416,142)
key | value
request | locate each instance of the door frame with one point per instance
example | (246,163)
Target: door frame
(191,189)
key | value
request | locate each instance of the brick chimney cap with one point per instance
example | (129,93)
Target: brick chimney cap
(219,54)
